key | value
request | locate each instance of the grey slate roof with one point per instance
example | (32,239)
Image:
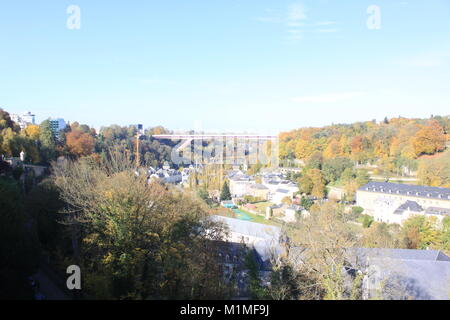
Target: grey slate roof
(295,207)
(270,235)
(403,254)
(416,274)
(282,191)
(408,190)
(409,206)
(258,186)
(276,206)
(437,211)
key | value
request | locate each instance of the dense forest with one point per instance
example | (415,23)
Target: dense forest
(345,154)
(393,142)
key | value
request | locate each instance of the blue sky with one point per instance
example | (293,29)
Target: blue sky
(255,66)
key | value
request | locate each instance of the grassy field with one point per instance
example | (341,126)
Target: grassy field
(261,207)
(255,218)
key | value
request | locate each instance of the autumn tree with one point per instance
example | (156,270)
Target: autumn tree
(138,240)
(32,131)
(332,150)
(305,184)
(421,232)
(79,143)
(435,172)
(318,181)
(429,139)
(324,240)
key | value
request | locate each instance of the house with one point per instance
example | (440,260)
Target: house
(272,185)
(394,203)
(276,210)
(291,212)
(240,185)
(280,194)
(232,258)
(265,239)
(165,174)
(289,185)
(259,191)
(285,170)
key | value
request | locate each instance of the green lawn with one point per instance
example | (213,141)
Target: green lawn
(261,207)
(260,218)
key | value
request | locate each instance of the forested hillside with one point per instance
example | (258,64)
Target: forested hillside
(41,146)
(398,146)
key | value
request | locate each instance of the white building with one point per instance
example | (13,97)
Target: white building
(240,185)
(24,119)
(280,194)
(28,117)
(394,203)
(265,239)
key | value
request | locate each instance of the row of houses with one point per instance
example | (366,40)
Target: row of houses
(273,187)
(171,175)
(394,203)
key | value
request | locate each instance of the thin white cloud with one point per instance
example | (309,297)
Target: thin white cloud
(296,16)
(296,13)
(330,30)
(325,23)
(328,97)
(296,23)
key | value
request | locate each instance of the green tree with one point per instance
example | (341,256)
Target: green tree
(257,291)
(47,142)
(225,193)
(306,202)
